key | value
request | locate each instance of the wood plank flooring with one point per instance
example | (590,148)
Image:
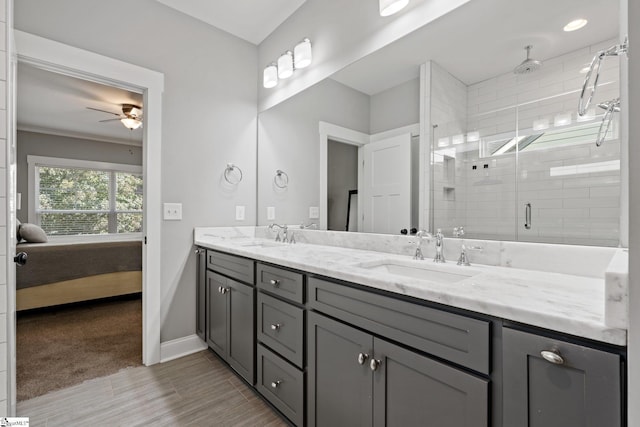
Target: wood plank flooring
(196,390)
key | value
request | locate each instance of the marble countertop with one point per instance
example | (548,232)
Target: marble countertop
(561,302)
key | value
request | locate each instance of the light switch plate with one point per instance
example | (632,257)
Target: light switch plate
(172,211)
(271,213)
(314,212)
(239,213)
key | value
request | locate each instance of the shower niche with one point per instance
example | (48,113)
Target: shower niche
(512,160)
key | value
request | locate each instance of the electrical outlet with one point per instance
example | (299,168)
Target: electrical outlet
(239,213)
(172,211)
(271,213)
(314,212)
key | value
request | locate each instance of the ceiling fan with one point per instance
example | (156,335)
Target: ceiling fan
(131,116)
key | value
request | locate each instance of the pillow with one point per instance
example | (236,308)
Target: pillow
(32,233)
(18,224)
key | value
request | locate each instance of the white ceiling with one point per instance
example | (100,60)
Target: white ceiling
(483,39)
(251,20)
(56,104)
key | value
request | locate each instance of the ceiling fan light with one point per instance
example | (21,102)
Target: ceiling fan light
(270,76)
(130,123)
(302,54)
(285,65)
(389,7)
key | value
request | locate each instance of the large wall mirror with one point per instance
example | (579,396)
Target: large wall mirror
(444,128)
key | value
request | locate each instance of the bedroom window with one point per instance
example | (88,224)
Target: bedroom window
(75,197)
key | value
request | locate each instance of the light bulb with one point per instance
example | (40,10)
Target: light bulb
(270,76)
(285,65)
(302,54)
(130,123)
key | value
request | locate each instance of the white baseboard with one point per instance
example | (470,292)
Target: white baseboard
(181,347)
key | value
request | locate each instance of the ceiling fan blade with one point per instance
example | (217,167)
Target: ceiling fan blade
(103,111)
(108,120)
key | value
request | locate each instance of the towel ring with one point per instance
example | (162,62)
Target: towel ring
(229,175)
(281,180)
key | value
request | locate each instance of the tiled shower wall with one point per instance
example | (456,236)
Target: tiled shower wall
(489,199)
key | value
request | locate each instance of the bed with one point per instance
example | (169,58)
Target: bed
(61,273)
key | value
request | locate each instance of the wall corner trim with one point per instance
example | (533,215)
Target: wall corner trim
(180,347)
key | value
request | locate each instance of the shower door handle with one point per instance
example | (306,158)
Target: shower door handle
(527,216)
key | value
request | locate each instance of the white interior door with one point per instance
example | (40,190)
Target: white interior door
(386,189)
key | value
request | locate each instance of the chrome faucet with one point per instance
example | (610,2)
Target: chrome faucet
(464,258)
(421,235)
(284,229)
(439,247)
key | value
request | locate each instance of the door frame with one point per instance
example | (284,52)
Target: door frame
(347,136)
(71,61)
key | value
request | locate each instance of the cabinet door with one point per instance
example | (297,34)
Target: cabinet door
(339,392)
(583,391)
(201,293)
(241,333)
(411,390)
(216,313)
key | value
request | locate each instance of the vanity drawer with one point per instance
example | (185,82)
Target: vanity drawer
(232,266)
(456,338)
(284,283)
(281,327)
(281,384)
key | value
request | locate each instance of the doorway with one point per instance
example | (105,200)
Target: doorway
(68,60)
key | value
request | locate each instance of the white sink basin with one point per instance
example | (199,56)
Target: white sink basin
(258,244)
(422,270)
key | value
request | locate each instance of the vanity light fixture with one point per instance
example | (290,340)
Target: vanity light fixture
(541,124)
(270,76)
(285,65)
(473,136)
(131,123)
(562,119)
(576,24)
(389,7)
(302,54)
(457,139)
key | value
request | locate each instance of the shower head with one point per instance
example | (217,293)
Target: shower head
(528,65)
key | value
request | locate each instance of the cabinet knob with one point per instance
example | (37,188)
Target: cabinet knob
(362,357)
(552,356)
(275,384)
(375,363)
(224,290)
(275,326)
(275,282)
(219,289)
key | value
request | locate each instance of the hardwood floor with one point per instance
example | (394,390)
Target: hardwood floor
(196,390)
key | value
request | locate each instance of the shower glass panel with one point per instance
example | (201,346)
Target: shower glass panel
(570,186)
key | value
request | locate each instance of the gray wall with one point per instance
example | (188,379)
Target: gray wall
(40,144)
(208,117)
(289,140)
(342,176)
(396,107)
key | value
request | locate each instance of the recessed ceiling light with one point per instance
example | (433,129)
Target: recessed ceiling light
(575,25)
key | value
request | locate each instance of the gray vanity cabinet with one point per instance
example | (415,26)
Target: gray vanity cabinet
(201,291)
(357,379)
(231,323)
(567,385)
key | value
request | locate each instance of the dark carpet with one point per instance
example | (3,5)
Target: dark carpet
(63,346)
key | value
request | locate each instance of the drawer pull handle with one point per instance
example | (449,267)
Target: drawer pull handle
(374,364)
(552,356)
(362,357)
(275,282)
(275,384)
(275,326)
